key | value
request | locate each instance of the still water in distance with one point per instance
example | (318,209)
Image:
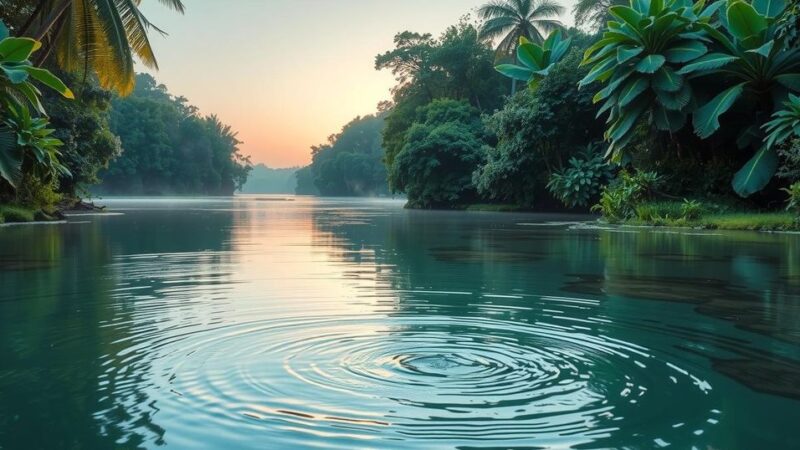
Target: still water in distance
(330,323)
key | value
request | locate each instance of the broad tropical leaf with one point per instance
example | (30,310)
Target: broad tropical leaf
(706,119)
(10,157)
(756,173)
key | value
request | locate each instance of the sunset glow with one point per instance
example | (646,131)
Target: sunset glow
(287,74)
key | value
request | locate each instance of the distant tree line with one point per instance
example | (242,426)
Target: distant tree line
(168,148)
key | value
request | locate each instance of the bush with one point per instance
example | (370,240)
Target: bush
(618,201)
(692,209)
(443,148)
(533,130)
(38,193)
(582,181)
(793,202)
(789,167)
(13,214)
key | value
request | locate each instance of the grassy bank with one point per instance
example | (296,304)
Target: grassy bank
(692,214)
(22,214)
(13,214)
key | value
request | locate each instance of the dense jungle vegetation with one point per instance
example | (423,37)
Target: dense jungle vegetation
(657,112)
(654,111)
(73,113)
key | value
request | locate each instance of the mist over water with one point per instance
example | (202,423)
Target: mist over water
(331,323)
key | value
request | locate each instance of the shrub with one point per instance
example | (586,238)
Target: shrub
(443,148)
(692,209)
(582,181)
(793,202)
(789,154)
(13,214)
(618,201)
(38,192)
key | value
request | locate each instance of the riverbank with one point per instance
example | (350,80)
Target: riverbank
(693,214)
(24,214)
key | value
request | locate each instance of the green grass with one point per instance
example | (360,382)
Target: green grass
(774,221)
(11,214)
(711,216)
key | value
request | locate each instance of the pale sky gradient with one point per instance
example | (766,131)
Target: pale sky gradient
(288,73)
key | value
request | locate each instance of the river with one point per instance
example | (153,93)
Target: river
(303,322)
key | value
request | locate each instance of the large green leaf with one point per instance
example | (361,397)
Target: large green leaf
(48,79)
(10,157)
(685,51)
(625,53)
(675,101)
(790,80)
(764,50)
(667,80)
(769,8)
(598,71)
(626,14)
(707,62)
(516,72)
(756,173)
(744,21)
(650,63)
(632,89)
(14,75)
(18,49)
(531,55)
(706,119)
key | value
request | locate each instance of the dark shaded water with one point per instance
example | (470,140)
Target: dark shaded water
(357,324)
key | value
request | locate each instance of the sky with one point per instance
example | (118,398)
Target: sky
(286,74)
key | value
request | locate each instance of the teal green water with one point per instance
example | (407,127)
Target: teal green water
(355,324)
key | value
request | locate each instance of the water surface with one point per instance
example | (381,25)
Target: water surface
(343,324)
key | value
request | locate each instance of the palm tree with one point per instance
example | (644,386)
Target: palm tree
(100,36)
(513,19)
(593,13)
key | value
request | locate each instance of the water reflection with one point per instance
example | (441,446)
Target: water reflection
(356,324)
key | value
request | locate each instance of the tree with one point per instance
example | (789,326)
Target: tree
(27,146)
(511,20)
(726,64)
(593,13)
(100,36)
(445,145)
(350,163)
(169,148)
(458,66)
(538,131)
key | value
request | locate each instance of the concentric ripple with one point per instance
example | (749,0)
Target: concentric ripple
(430,379)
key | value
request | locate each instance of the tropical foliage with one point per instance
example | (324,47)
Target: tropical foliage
(581,182)
(445,144)
(169,148)
(536,60)
(350,163)
(26,144)
(97,37)
(537,132)
(664,61)
(620,199)
(510,20)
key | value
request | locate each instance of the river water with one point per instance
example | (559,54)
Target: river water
(355,324)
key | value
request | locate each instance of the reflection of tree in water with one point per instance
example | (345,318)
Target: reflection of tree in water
(747,279)
(750,280)
(418,252)
(73,371)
